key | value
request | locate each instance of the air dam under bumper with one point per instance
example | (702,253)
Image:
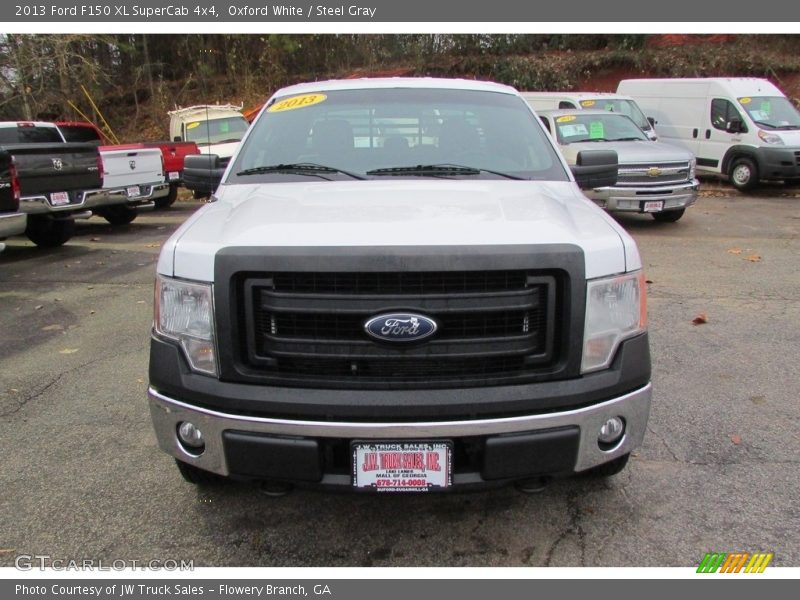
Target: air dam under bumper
(570,435)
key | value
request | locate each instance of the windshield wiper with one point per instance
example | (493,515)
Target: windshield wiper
(440,169)
(304,168)
(628,139)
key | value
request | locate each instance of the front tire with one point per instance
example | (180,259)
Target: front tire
(118,215)
(47,232)
(669,216)
(198,477)
(610,468)
(744,174)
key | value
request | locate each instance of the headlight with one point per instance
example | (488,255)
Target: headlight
(770,138)
(692,167)
(616,309)
(184,312)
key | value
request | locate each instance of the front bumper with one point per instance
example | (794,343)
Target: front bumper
(12,224)
(92,199)
(781,162)
(309,438)
(633,198)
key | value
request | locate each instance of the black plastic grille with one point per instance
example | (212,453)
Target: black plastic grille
(307,328)
(448,282)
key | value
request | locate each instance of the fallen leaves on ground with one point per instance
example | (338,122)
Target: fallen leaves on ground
(68,351)
(753,258)
(700,319)
(736,439)
(152,245)
(735,251)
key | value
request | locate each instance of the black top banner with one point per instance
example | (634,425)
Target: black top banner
(359,11)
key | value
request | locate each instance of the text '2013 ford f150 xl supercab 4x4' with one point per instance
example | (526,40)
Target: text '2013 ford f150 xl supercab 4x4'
(399,286)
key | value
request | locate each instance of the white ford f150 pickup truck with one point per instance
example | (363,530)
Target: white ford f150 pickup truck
(399,286)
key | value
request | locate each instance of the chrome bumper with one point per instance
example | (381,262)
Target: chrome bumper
(168,413)
(12,224)
(630,199)
(36,205)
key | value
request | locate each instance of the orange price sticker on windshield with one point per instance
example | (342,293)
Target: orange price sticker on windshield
(296,102)
(587,103)
(745,100)
(565,119)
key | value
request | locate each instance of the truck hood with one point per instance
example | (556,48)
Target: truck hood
(396,212)
(631,152)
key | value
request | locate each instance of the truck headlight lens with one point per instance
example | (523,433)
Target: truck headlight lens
(770,138)
(184,312)
(616,309)
(692,168)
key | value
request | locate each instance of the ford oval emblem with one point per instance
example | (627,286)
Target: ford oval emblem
(400,327)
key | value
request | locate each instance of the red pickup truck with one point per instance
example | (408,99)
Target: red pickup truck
(172,153)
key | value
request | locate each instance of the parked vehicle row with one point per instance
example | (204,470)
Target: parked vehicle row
(63,173)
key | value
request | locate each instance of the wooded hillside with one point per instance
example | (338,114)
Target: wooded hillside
(134,79)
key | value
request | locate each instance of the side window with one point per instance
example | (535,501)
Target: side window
(722,111)
(566,104)
(546,124)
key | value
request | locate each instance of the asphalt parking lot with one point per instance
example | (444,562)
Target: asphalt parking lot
(81,475)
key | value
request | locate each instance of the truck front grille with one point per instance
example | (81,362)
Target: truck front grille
(307,328)
(647,174)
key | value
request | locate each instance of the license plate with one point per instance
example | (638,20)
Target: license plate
(134,191)
(653,206)
(402,466)
(173,175)
(59,198)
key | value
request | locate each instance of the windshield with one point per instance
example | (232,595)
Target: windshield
(216,131)
(398,132)
(29,134)
(771,112)
(629,108)
(596,127)
(79,133)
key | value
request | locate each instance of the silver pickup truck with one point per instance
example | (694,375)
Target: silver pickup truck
(654,177)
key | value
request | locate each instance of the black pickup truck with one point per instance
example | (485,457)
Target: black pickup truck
(12,222)
(52,179)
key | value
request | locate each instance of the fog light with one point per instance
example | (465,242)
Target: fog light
(611,431)
(191,435)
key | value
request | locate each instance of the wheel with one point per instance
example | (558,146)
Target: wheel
(118,215)
(610,468)
(195,476)
(669,216)
(744,174)
(47,232)
(169,199)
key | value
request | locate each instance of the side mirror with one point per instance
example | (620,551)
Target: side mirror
(202,173)
(594,169)
(177,138)
(735,126)
(652,121)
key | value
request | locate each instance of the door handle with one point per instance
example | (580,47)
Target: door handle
(694,133)
(708,133)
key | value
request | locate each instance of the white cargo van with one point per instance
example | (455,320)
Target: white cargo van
(742,128)
(592,101)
